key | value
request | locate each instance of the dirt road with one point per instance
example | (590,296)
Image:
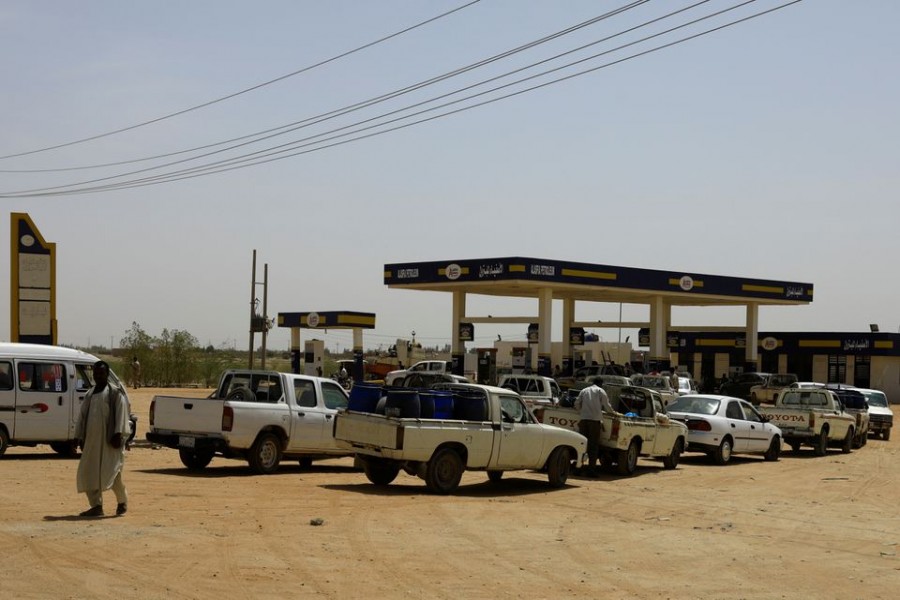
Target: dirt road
(803,527)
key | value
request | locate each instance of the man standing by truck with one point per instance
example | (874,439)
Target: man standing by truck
(101,431)
(590,403)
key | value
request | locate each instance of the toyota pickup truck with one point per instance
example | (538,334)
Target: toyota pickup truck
(767,392)
(491,430)
(257,416)
(814,417)
(639,427)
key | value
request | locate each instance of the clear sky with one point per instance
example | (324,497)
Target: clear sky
(768,149)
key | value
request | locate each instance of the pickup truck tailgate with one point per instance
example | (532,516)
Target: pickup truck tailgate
(187,415)
(787,419)
(366,430)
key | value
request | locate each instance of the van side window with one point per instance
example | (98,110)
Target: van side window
(6,377)
(42,377)
(84,377)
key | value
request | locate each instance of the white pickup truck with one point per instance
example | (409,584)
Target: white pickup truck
(423,366)
(259,416)
(812,416)
(491,430)
(639,427)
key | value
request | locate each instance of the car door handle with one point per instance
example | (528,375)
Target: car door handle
(59,400)
(733,425)
(327,417)
(301,414)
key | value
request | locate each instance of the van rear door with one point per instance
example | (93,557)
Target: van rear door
(43,405)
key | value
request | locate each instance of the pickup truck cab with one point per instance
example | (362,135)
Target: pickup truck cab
(423,366)
(534,389)
(814,417)
(257,416)
(491,430)
(41,391)
(661,384)
(881,417)
(767,391)
(639,427)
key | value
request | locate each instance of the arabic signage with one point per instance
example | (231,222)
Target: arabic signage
(33,283)
(490,271)
(466,332)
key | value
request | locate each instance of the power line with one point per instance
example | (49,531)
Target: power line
(212,168)
(245,90)
(316,119)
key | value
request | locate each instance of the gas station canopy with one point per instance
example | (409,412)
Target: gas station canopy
(548,280)
(525,277)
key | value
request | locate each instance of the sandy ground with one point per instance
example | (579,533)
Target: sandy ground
(803,527)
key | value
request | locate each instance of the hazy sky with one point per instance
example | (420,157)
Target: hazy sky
(768,149)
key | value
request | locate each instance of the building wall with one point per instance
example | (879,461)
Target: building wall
(820,368)
(885,376)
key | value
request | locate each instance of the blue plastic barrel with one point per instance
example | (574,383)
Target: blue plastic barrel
(436,404)
(469,406)
(403,403)
(364,397)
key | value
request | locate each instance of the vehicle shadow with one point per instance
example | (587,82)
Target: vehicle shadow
(77,518)
(242,470)
(506,487)
(46,456)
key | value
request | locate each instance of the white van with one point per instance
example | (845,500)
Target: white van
(41,390)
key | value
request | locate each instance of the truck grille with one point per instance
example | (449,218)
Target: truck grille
(881,419)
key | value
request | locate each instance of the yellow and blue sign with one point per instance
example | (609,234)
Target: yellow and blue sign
(32,286)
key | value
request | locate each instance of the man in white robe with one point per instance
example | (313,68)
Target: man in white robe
(102,430)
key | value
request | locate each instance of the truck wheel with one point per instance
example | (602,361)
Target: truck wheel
(444,471)
(495,476)
(380,472)
(627,459)
(753,400)
(558,466)
(305,462)
(671,461)
(847,446)
(722,455)
(774,450)
(821,447)
(68,449)
(885,435)
(195,460)
(4,440)
(265,454)
(795,446)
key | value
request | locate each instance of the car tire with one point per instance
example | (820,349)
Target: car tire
(68,449)
(380,472)
(821,447)
(241,394)
(795,446)
(444,471)
(495,476)
(885,435)
(305,462)
(774,450)
(627,459)
(671,461)
(265,454)
(722,454)
(4,440)
(195,460)
(558,466)
(847,445)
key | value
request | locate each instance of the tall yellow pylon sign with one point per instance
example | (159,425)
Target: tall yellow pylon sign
(32,272)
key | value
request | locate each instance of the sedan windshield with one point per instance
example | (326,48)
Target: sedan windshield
(698,405)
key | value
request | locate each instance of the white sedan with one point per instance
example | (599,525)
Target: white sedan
(722,425)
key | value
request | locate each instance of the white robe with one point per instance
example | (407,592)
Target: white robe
(100,462)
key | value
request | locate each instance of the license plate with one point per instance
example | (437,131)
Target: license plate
(185,441)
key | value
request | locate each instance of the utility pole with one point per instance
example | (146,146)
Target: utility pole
(259,323)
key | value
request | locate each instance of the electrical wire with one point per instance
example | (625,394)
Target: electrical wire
(245,90)
(190,173)
(316,119)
